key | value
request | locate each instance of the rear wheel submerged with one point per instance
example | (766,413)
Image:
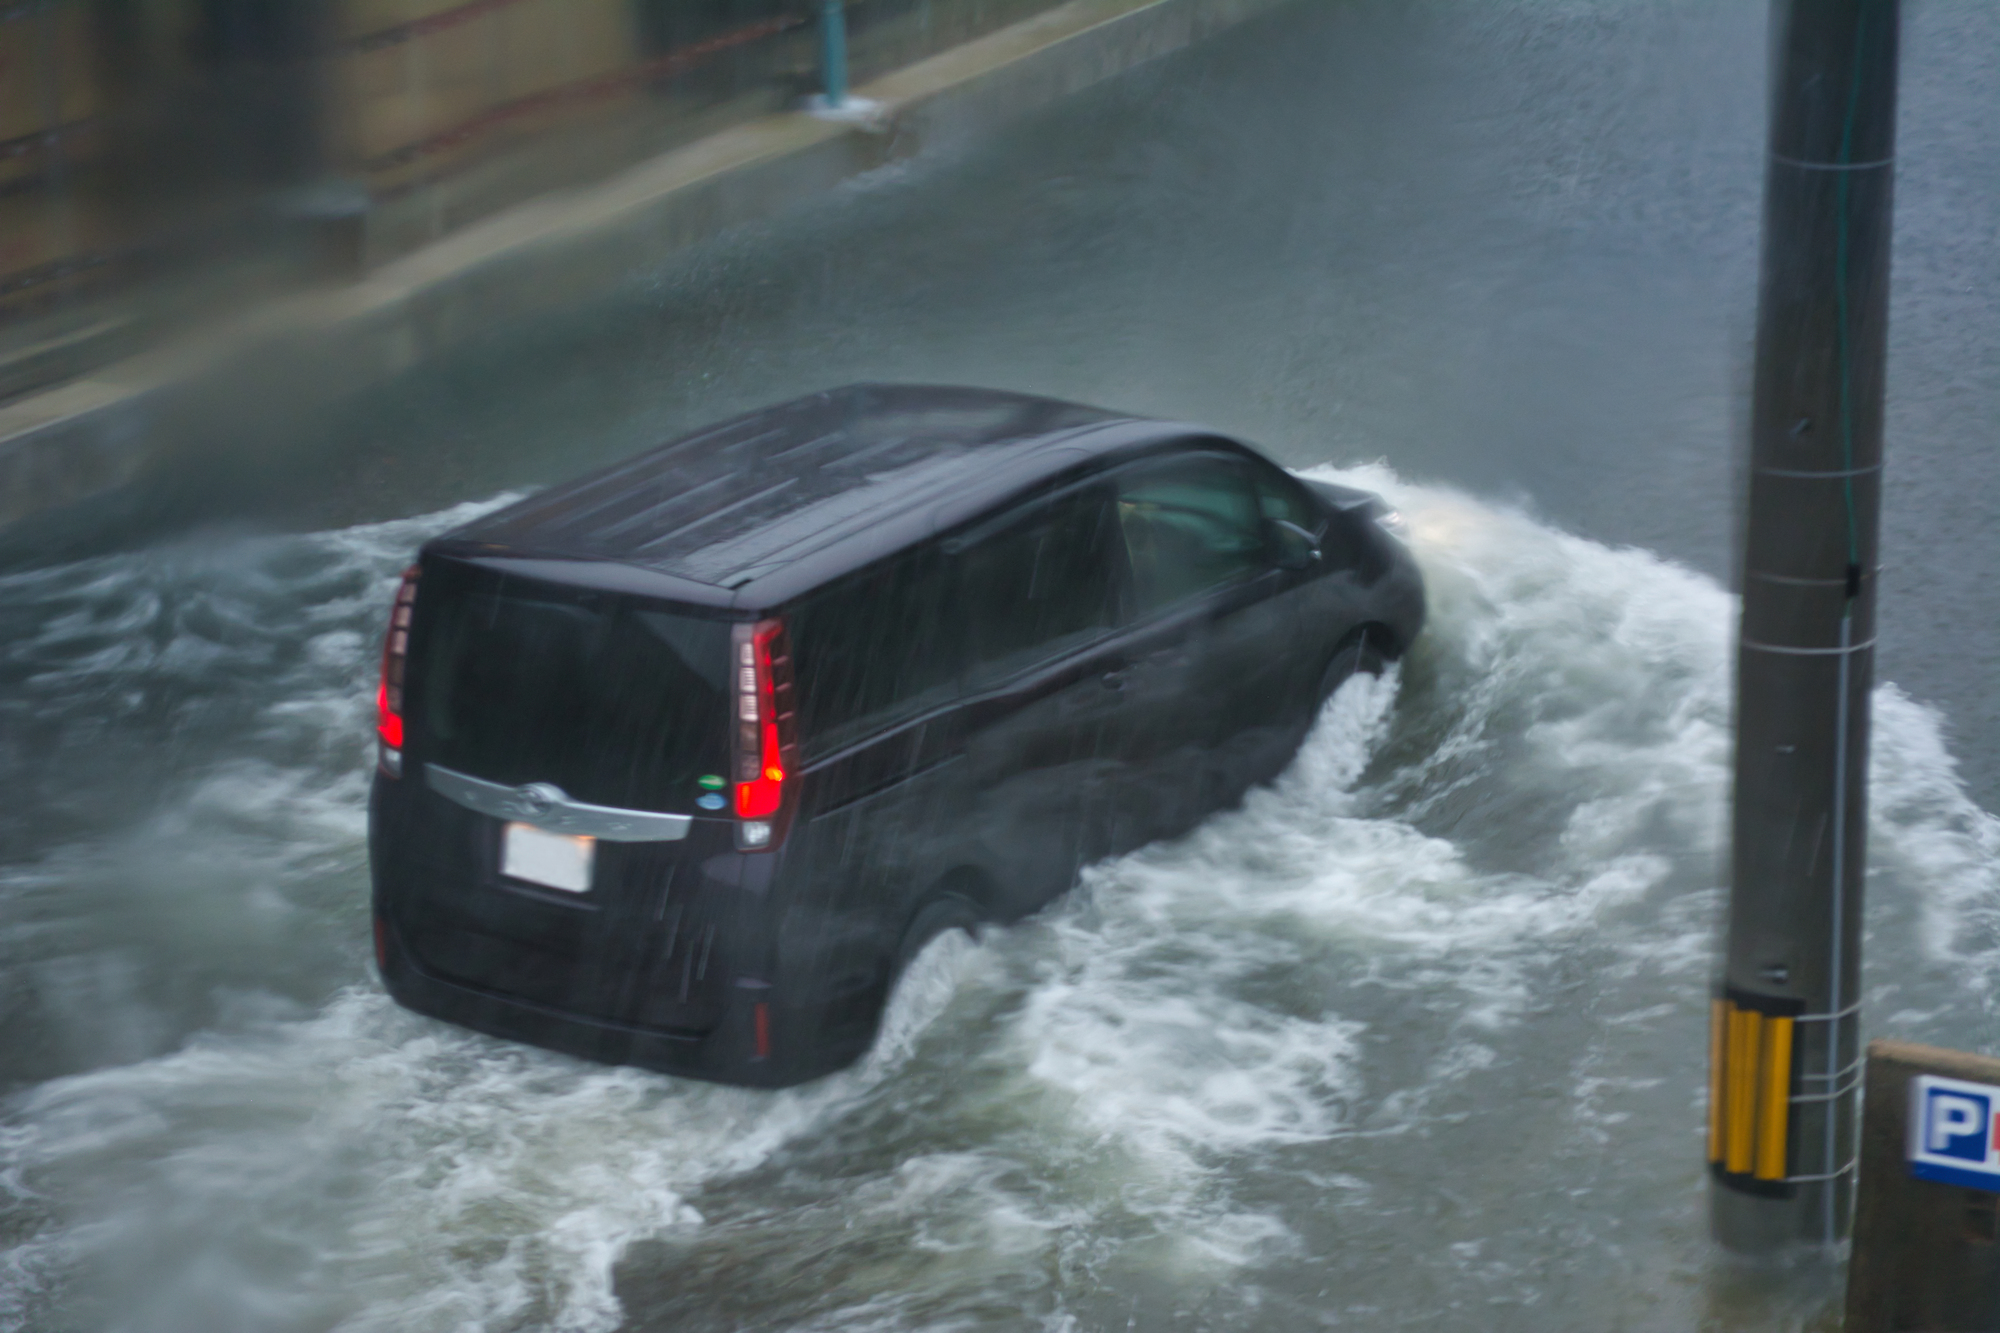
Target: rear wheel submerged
(946,912)
(898,1016)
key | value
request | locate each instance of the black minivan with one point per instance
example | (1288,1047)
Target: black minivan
(680,763)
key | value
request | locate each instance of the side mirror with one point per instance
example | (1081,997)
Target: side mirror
(1290,545)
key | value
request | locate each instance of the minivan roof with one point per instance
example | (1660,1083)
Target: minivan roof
(736,502)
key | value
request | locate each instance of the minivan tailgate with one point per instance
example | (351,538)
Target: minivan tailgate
(638,947)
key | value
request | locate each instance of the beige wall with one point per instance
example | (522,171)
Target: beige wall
(180,183)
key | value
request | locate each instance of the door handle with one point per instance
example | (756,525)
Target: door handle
(1114,680)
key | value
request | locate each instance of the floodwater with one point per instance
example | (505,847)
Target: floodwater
(1413,1038)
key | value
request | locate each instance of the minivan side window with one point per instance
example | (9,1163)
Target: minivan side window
(1039,587)
(1191,522)
(872,649)
(1282,498)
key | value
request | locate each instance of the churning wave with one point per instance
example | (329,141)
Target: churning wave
(1485,892)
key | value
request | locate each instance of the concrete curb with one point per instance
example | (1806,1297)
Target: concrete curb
(93,435)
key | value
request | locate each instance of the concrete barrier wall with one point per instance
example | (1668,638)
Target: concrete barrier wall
(97,433)
(166,162)
(443,112)
(163,164)
(1926,1255)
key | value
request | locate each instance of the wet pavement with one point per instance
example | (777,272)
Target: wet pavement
(1415,1037)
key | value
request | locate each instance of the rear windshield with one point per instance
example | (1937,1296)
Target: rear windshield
(616,701)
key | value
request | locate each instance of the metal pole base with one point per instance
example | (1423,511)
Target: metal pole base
(1747,1225)
(862,111)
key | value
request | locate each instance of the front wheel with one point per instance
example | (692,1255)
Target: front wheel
(1361,654)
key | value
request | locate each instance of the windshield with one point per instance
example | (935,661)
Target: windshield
(616,701)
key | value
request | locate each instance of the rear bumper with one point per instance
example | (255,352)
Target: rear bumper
(726,1054)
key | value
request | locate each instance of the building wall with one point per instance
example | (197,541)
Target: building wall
(162,161)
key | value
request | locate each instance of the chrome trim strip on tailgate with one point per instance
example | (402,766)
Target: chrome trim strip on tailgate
(549,807)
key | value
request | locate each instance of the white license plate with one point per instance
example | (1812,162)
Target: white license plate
(553,860)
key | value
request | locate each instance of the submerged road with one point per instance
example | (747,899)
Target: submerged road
(1415,1038)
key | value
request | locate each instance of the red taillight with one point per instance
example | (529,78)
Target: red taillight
(388,723)
(760,797)
(764,719)
(389,695)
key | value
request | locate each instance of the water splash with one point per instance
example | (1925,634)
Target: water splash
(1467,934)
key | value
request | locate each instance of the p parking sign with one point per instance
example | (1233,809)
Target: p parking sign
(1955,1132)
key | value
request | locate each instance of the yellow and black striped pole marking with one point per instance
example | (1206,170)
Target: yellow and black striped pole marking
(1750,1078)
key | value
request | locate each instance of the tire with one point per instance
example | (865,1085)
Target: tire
(947,911)
(1357,655)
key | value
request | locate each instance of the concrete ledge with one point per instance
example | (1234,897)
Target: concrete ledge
(97,434)
(1926,1255)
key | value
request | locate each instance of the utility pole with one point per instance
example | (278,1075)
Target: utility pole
(1784,1040)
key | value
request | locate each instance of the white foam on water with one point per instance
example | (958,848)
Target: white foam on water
(355,1167)
(1931,837)
(927,985)
(1131,1013)
(1541,783)
(207,876)
(1560,786)
(366,1169)
(1136,1016)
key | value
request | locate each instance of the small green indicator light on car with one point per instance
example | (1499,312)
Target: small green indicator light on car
(711,781)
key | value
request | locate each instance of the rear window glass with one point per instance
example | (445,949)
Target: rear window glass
(617,702)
